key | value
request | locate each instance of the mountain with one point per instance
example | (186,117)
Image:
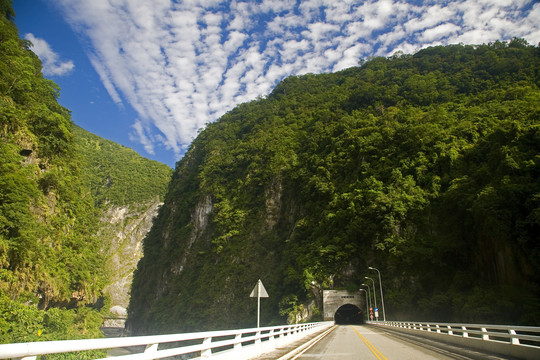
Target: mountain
(425,166)
(50,255)
(128,190)
(73,207)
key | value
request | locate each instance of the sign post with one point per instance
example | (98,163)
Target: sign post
(259,291)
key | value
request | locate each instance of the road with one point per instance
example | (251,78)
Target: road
(368,343)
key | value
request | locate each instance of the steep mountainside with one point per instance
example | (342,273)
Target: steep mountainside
(128,189)
(425,166)
(73,208)
(51,263)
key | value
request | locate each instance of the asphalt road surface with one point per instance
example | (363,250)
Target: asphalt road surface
(368,343)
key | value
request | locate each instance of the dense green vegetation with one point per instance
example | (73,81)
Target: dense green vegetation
(49,255)
(127,189)
(55,180)
(117,174)
(426,166)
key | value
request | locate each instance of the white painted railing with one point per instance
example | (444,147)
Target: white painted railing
(226,344)
(517,341)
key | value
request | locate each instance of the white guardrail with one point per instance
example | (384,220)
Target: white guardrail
(521,342)
(226,344)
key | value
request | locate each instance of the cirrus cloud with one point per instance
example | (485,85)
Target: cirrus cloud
(183,64)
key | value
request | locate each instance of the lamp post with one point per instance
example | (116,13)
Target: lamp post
(380,286)
(367,306)
(369,292)
(374,294)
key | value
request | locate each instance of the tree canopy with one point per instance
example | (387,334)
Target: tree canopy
(52,188)
(424,165)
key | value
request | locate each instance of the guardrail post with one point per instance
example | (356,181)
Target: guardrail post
(438,329)
(465,333)
(450,332)
(513,337)
(207,353)
(271,339)
(258,335)
(485,335)
(258,342)
(238,342)
(151,348)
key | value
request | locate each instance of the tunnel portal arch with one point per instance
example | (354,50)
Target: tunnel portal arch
(334,300)
(349,314)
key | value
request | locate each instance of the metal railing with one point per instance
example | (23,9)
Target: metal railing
(226,344)
(519,341)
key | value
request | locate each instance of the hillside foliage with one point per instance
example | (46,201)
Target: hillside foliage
(127,189)
(425,166)
(52,270)
(118,175)
(49,255)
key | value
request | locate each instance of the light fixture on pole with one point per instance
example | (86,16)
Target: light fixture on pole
(367,306)
(369,292)
(374,296)
(369,297)
(380,286)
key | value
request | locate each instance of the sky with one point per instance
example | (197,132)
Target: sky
(150,74)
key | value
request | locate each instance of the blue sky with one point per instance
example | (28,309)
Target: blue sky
(149,74)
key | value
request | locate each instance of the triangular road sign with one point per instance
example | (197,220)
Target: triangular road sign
(259,290)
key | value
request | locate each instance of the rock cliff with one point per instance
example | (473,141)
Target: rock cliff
(128,191)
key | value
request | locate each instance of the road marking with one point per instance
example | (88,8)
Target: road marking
(307,345)
(373,349)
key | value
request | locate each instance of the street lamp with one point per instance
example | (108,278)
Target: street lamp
(380,285)
(369,292)
(367,306)
(374,294)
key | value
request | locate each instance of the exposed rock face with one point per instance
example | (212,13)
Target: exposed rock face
(273,203)
(199,219)
(125,227)
(127,190)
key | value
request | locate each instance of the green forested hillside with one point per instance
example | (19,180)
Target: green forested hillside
(50,258)
(425,166)
(117,174)
(56,183)
(127,189)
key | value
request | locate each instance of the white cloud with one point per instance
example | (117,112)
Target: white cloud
(183,64)
(105,79)
(431,16)
(438,32)
(142,137)
(52,65)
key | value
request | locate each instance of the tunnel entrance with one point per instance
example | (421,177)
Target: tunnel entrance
(337,304)
(349,314)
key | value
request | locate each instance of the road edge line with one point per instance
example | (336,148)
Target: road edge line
(306,346)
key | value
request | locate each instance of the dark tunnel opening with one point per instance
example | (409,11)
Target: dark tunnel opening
(349,314)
